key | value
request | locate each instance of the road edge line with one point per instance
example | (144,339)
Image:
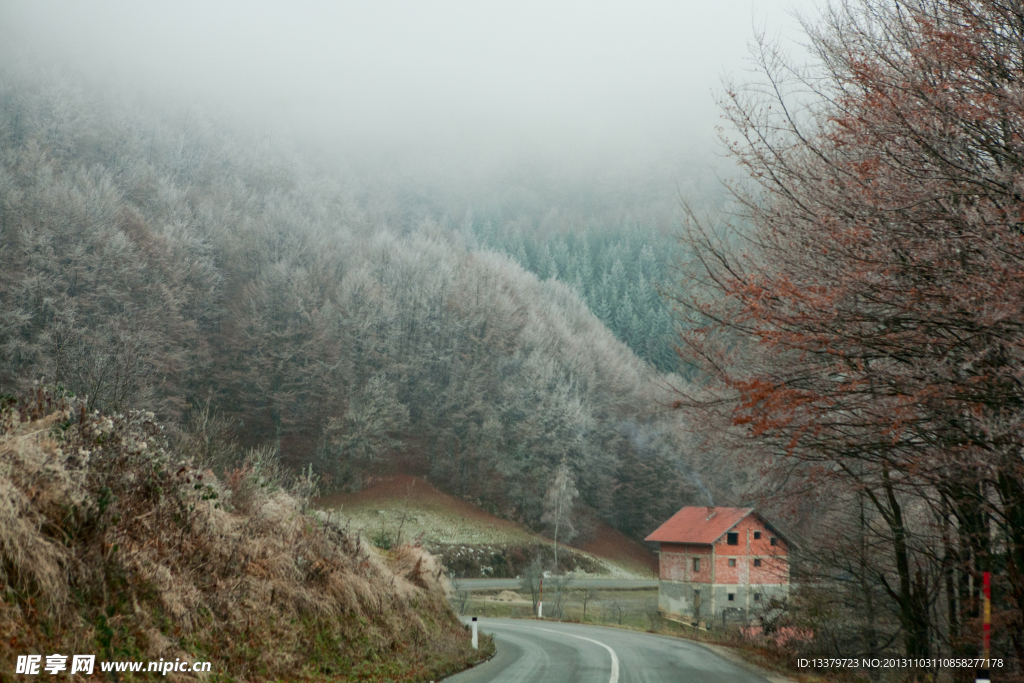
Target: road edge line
(614,678)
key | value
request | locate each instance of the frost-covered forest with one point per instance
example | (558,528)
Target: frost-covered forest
(162,261)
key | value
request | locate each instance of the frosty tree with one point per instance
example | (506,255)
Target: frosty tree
(558,504)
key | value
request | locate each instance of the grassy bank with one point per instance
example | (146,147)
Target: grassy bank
(471,542)
(113,543)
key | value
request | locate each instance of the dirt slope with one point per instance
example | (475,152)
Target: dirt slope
(614,545)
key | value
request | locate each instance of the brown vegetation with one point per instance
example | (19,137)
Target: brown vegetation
(113,544)
(862,331)
(414,491)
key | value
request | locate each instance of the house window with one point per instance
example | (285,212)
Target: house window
(732,597)
(696,564)
(757,597)
(732,563)
(733,539)
(757,535)
(757,563)
(773,540)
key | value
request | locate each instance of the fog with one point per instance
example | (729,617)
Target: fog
(457,89)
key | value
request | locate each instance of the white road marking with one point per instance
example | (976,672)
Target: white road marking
(615,658)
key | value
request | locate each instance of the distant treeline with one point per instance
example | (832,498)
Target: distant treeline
(150,262)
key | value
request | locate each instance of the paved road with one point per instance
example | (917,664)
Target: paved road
(489,584)
(550,652)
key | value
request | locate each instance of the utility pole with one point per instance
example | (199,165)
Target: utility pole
(983,674)
(558,518)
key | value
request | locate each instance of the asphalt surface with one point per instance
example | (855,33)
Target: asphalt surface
(549,652)
(489,584)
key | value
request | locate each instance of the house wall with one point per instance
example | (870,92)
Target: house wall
(677,598)
(774,567)
(676,562)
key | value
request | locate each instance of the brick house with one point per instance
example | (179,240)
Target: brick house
(720,562)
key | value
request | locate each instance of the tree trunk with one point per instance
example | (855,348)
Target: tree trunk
(913,605)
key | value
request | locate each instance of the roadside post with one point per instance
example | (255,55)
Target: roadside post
(540,601)
(983,674)
(476,641)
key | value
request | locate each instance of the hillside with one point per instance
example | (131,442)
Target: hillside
(156,259)
(114,543)
(396,508)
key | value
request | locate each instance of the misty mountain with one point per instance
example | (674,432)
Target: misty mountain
(162,261)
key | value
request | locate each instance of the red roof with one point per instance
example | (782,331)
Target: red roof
(702,525)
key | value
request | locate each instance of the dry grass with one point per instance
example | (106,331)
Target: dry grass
(111,544)
(413,508)
(401,507)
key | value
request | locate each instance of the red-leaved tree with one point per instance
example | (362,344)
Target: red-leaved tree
(863,324)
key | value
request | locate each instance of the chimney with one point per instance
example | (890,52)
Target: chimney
(711,513)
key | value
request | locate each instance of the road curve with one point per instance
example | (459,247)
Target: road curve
(549,652)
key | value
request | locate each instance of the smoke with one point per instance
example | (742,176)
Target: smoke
(640,437)
(695,479)
(649,441)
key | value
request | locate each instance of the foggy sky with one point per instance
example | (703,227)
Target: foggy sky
(463,79)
